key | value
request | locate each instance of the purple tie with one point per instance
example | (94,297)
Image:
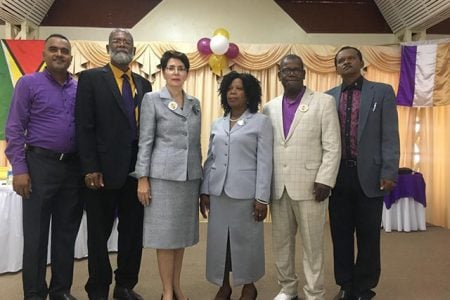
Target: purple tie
(127,96)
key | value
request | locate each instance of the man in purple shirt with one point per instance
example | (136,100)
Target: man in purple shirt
(40,132)
(306,154)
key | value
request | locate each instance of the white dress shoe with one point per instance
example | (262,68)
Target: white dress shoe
(283,296)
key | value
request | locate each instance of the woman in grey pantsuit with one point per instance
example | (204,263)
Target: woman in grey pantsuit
(236,187)
(169,171)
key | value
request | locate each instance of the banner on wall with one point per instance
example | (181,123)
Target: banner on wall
(424,74)
(17,58)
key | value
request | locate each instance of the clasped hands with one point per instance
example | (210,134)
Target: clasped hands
(259,209)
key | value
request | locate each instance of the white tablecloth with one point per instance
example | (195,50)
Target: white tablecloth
(405,214)
(11,233)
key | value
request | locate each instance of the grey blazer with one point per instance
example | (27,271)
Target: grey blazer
(239,161)
(378,138)
(169,138)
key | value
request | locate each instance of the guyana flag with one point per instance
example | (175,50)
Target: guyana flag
(17,58)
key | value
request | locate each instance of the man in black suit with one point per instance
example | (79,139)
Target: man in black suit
(106,113)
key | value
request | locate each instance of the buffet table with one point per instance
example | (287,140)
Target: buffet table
(404,207)
(11,233)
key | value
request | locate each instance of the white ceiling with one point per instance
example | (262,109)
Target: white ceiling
(413,15)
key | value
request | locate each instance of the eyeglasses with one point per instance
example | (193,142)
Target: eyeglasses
(173,69)
(295,71)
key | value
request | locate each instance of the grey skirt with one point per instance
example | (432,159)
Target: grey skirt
(171,219)
(234,218)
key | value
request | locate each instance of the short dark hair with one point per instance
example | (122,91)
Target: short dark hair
(174,54)
(345,48)
(291,57)
(57,35)
(252,90)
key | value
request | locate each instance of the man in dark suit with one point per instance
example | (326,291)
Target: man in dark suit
(369,166)
(106,127)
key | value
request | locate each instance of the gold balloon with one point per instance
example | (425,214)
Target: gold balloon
(222,31)
(218,63)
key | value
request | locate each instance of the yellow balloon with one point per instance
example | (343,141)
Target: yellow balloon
(222,31)
(218,63)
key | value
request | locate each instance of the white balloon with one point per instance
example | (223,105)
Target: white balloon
(219,44)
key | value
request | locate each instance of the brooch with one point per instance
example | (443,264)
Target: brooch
(173,105)
(241,122)
(196,108)
(303,107)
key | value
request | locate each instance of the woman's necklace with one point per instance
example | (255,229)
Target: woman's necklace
(237,119)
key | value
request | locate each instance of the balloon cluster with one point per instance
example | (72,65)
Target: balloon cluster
(219,48)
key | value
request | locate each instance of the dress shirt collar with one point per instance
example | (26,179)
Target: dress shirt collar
(297,99)
(50,77)
(356,85)
(118,72)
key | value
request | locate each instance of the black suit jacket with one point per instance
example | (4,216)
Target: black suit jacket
(103,132)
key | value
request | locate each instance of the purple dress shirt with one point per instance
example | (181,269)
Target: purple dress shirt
(348,110)
(289,110)
(42,114)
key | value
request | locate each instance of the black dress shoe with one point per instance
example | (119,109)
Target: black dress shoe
(367,295)
(63,296)
(121,293)
(97,297)
(344,295)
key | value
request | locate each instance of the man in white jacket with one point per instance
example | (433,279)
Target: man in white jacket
(307,152)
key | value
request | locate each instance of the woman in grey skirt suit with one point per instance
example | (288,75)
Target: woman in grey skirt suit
(169,171)
(236,187)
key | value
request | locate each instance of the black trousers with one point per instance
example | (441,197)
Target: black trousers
(55,196)
(102,207)
(352,212)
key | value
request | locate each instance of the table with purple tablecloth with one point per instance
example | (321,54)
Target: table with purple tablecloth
(404,207)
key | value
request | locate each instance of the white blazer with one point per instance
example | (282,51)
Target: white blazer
(311,152)
(239,161)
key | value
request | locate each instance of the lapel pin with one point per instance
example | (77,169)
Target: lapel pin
(304,107)
(173,105)
(240,122)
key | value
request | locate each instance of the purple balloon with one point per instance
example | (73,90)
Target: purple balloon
(233,51)
(203,46)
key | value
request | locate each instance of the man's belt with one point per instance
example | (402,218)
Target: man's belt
(51,154)
(349,163)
